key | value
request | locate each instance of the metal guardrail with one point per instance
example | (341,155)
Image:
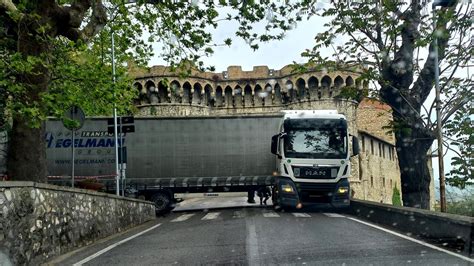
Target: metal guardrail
(444,229)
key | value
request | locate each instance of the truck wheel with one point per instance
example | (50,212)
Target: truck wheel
(162,202)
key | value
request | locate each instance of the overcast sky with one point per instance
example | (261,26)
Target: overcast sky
(275,55)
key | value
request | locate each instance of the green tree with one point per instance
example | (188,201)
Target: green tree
(386,40)
(54,53)
(460,138)
(396,200)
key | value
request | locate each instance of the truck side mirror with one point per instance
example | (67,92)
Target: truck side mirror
(355,146)
(274,147)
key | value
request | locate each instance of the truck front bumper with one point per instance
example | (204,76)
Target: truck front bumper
(317,195)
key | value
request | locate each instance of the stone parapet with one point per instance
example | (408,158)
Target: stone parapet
(40,221)
(236,88)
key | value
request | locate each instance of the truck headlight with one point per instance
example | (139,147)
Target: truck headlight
(342,190)
(287,188)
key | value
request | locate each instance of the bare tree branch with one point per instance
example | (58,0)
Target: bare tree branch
(97,21)
(457,106)
(8,6)
(424,83)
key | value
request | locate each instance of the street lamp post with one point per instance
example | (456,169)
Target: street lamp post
(439,131)
(117,175)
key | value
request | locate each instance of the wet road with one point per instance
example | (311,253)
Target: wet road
(259,236)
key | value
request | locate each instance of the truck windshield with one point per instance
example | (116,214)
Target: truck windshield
(315,139)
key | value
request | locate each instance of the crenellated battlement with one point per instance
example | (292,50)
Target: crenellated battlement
(235,88)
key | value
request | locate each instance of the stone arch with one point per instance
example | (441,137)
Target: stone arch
(277,96)
(248,101)
(349,81)
(238,96)
(206,100)
(141,99)
(186,96)
(259,96)
(365,84)
(175,88)
(326,83)
(152,92)
(267,100)
(289,93)
(313,87)
(228,97)
(338,84)
(219,97)
(197,92)
(163,92)
(301,88)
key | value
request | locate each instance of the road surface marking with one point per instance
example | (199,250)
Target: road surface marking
(334,215)
(238,214)
(414,240)
(270,214)
(252,245)
(301,215)
(183,217)
(211,216)
(97,254)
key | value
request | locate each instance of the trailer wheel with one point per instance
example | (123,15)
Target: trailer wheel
(162,202)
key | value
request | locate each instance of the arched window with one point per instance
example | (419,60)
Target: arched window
(248,96)
(163,92)
(313,87)
(301,88)
(326,83)
(197,93)
(291,92)
(259,96)
(278,98)
(219,97)
(186,99)
(237,96)
(228,97)
(152,92)
(349,81)
(207,95)
(175,88)
(142,97)
(267,100)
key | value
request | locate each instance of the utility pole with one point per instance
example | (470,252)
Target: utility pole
(117,172)
(439,131)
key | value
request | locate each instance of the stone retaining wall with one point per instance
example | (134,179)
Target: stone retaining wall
(40,221)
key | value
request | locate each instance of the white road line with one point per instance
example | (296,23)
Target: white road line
(270,214)
(414,240)
(211,216)
(183,217)
(334,215)
(97,254)
(301,215)
(252,245)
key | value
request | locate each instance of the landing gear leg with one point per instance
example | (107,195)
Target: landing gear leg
(251,196)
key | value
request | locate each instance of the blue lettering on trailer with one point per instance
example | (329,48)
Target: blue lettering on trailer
(51,142)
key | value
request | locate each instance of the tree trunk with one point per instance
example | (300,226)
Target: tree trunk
(27,148)
(413,146)
(27,154)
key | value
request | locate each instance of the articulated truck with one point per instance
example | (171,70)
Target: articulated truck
(307,162)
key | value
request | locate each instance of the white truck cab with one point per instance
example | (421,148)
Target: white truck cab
(313,160)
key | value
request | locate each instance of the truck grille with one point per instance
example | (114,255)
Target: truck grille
(316,172)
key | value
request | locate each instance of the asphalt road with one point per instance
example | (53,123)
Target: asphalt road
(259,236)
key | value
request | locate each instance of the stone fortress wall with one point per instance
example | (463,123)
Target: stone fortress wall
(164,93)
